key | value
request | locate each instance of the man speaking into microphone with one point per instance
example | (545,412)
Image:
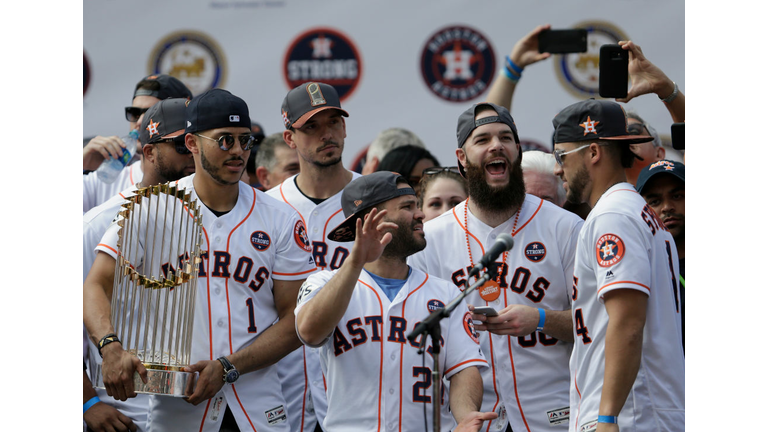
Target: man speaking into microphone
(529,343)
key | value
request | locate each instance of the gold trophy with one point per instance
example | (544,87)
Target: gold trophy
(153,296)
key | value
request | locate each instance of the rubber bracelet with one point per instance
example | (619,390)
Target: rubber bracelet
(513,66)
(106,340)
(91,402)
(542,317)
(510,76)
(607,419)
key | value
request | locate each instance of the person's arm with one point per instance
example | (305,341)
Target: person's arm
(118,365)
(100,148)
(626,310)
(524,53)
(466,396)
(319,316)
(648,78)
(99,416)
(521,320)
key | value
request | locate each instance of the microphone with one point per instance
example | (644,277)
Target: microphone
(504,242)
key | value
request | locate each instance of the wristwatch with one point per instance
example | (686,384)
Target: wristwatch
(230,373)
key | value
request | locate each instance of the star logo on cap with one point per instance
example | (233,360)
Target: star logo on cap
(285,118)
(152,128)
(589,126)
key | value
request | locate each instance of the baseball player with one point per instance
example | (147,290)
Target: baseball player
(149,91)
(527,383)
(255,257)
(360,314)
(165,158)
(627,367)
(316,129)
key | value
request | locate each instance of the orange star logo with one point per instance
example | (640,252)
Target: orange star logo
(152,128)
(589,126)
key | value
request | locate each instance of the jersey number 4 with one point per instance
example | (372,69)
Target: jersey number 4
(581,329)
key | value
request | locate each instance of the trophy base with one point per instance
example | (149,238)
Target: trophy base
(161,381)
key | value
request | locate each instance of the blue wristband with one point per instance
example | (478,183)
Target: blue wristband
(91,402)
(509,75)
(607,419)
(542,317)
(513,66)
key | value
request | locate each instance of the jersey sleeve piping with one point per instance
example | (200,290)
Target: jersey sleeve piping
(467,363)
(628,285)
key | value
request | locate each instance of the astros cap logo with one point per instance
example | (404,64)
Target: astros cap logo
(666,164)
(589,126)
(152,128)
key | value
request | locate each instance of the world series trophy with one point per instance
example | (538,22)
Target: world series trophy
(153,296)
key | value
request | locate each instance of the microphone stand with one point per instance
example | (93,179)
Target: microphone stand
(431,326)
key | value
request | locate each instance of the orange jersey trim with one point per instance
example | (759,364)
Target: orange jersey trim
(463,363)
(285,200)
(622,282)
(208,294)
(108,247)
(205,414)
(234,390)
(294,274)
(381,355)
(306,384)
(402,346)
(541,203)
(458,221)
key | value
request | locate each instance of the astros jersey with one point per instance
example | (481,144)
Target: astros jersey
(95,224)
(96,191)
(624,245)
(300,374)
(259,240)
(376,379)
(527,383)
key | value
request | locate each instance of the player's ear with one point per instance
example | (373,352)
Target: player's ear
(595,152)
(148,151)
(371,164)
(263,175)
(462,157)
(288,138)
(661,153)
(191,143)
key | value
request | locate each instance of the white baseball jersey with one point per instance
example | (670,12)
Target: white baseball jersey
(527,383)
(302,380)
(96,191)
(376,379)
(95,224)
(624,245)
(259,240)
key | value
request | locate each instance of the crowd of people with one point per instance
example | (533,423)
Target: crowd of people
(588,328)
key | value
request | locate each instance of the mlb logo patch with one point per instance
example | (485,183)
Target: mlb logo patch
(234,118)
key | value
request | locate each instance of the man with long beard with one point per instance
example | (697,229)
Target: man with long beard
(527,384)
(359,316)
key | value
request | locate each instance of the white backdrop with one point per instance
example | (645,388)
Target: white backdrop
(120,39)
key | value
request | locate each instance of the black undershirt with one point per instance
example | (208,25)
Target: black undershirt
(317,201)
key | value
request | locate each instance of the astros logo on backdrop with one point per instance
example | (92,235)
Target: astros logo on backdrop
(458,63)
(192,57)
(325,55)
(578,72)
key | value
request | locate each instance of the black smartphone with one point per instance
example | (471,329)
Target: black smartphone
(614,71)
(678,136)
(485,310)
(563,41)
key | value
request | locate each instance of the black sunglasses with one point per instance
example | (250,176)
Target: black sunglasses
(178,144)
(132,113)
(227,141)
(435,170)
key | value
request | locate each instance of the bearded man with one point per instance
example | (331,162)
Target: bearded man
(529,342)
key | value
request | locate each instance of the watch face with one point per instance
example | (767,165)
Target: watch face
(232,376)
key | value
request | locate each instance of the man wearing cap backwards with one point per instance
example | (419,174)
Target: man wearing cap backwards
(662,184)
(360,314)
(149,91)
(531,340)
(627,367)
(246,290)
(166,158)
(315,129)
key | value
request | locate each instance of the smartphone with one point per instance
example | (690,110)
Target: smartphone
(563,41)
(485,310)
(678,136)
(614,71)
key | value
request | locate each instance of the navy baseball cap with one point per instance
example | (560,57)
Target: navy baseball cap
(467,123)
(163,120)
(674,168)
(594,120)
(363,193)
(166,87)
(216,108)
(308,99)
